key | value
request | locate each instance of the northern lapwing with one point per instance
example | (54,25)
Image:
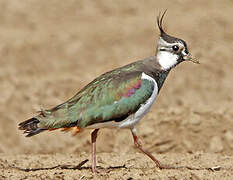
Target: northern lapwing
(116,99)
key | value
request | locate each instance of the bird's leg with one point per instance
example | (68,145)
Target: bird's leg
(139,146)
(93,142)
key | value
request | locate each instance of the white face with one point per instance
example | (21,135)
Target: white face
(167,60)
(167,56)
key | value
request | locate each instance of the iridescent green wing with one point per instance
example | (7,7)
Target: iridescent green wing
(114,99)
(110,97)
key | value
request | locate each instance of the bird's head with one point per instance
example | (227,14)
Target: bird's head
(171,50)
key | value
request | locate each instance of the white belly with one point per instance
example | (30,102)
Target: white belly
(133,119)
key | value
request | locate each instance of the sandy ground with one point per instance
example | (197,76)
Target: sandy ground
(50,49)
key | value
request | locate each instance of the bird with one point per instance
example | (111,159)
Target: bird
(118,98)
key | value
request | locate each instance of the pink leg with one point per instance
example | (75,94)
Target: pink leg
(139,146)
(93,141)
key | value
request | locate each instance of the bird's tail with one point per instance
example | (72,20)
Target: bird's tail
(48,120)
(30,127)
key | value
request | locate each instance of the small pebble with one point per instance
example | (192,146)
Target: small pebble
(195,119)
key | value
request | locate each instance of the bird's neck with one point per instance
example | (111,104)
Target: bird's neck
(154,69)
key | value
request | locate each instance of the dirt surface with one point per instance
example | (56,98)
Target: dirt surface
(50,49)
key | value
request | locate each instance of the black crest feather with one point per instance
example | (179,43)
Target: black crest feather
(163,34)
(160,21)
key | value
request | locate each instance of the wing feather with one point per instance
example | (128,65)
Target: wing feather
(113,100)
(105,99)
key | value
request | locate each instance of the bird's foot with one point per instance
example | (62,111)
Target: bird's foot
(165,166)
(99,170)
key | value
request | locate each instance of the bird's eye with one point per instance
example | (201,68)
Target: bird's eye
(175,48)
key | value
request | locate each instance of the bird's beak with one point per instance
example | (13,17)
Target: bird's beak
(189,57)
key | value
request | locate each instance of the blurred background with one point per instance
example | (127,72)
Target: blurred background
(49,50)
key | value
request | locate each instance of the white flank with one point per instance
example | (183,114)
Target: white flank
(167,60)
(133,119)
